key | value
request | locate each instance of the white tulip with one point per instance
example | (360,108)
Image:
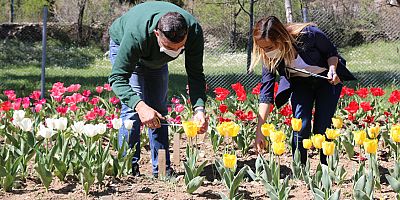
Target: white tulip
(90,130)
(101,128)
(26,124)
(117,123)
(78,127)
(50,123)
(18,115)
(45,132)
(61,123)
(128,124)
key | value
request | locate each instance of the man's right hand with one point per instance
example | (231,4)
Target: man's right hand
(148,116)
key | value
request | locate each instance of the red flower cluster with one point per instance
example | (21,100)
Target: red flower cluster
(223,108)
(256,90)
(366,106)
(241,115)
(377,91)
(352,107)
(347,91)
(362,92)
(286,110)
(240,91)
(394,97)
(221,93)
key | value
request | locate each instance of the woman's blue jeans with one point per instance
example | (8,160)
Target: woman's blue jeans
(152,86)
(307,93)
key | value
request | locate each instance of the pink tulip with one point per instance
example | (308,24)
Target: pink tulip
(179,108)
(99,89)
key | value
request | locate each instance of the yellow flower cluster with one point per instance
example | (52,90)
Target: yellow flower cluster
(277,136)
(317,140)
(228,129)
(371,146)
(373,131)
(395,133)
(337,122)
(266,129)
(190,128)
(328,148)
(296,124)
(332,134)
(229,161)
(359,137)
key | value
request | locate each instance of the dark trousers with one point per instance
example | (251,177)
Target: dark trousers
(308,93)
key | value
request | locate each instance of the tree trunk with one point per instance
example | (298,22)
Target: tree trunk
(288,7)
(250,38)
(233,32)
(81,5)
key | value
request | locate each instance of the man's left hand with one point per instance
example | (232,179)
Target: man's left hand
(202,120)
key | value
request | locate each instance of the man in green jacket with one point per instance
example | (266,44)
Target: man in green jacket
(143,41)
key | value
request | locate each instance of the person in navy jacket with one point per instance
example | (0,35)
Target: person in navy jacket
(300,53)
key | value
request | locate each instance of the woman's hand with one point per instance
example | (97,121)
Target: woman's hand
(202,120)
(333,78)
(259,142)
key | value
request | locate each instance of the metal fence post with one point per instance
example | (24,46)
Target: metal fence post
(44,38)
(304,11)
(12,11)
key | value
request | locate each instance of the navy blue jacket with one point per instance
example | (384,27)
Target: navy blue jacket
(315,48)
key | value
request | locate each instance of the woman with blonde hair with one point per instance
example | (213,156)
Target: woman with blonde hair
(311,73)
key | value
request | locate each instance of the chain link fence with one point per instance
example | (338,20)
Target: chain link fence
(367,35)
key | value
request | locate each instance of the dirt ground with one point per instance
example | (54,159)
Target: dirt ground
(146,187)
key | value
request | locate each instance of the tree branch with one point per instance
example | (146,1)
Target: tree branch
(242,7)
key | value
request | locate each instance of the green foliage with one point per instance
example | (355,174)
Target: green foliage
(193,180)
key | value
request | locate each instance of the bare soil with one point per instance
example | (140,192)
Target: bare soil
(147,187)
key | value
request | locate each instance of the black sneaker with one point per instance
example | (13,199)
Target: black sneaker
(135,170)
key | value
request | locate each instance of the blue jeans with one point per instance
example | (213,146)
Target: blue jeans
(307,92)
(152,86)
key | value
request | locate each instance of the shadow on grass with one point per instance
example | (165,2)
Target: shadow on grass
(25,83)
(18,54)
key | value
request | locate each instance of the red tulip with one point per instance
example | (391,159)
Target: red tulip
(223,108)
(377,91)
(221,93)
(256,89)
(362,92)
(352,107)
(114,100)
(366,106)
(394,97)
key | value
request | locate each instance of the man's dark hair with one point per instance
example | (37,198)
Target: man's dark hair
(173,26)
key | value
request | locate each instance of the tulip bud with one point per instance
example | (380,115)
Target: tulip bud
(266,129)
(296,124)
(278,148)
(307,143)
(328,148)
(229,161)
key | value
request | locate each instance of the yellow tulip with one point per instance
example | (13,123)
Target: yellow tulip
(190,128)
(277,136)
(359,137)
(371,146)
(337,122)
(278,148)
(332,134)
(229,161)
(317,140)
(307,143)
(228,129)
(328,148)
(266,129)
(395,133)
(296,124)
(373,131)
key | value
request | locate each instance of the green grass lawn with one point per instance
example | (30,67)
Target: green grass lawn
(20,64)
